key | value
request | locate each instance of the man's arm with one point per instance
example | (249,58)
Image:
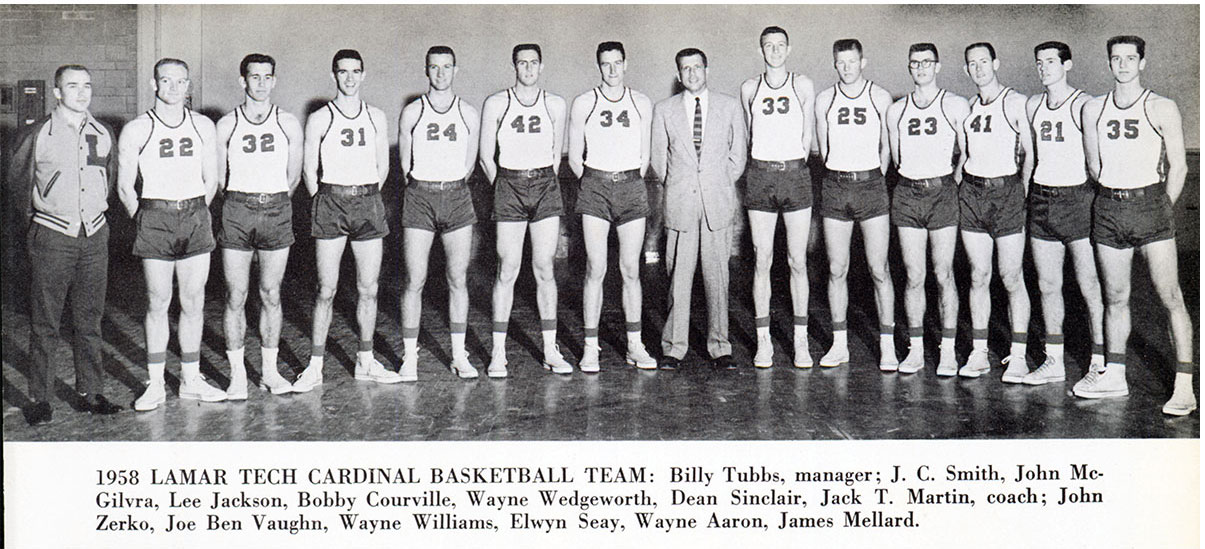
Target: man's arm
(881,99)
(748,88)
(292,129)
(556,109)
(473,119)
(209,155)
(807,93)
(491,113)
(959,109)
(315,126)
(382,147)
(738,147)
(225,129)
(1089,115)
(659,143)
(825,98)
(577,132)
(1167,121)
(406,125)
(645,105)
(1020,121)
(133,136)
(892,119)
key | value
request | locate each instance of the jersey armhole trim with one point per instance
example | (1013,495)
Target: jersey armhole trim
(941,105)
(151,116)
(276,112)
(635,107)
(329,124)
(1147,114)
(364,107)
(192,121)
(506,111)
(463,120)
(592,107)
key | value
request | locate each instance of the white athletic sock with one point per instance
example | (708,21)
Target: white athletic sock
(365,357)
(592,342)
(155,371)
(237,366)
(549,337)
(1054,351)
(840,339)
(976,345)
(916,344)
(269,359)
(190,370)
(410,345)
(801,331)
(458,344)
(1017,349)
(763,332)
(633,340)
(499,342)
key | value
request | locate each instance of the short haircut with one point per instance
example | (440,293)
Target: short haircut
(610,46)
(257,58)
(772,30)
(514,53)
(923,46)
(1137,42)
(688,52)
(345,54)
(1063,49)
(58,73)
(168,61)
(847,44)
(439,50)
(991,51)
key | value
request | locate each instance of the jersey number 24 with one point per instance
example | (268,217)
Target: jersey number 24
(433,132)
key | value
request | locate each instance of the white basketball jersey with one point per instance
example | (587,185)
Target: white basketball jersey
(1131,149)
(855,131)
(439,143)
(258,154)
(927,140)
(1060,144)
(170,161)
(525,134)
(991,140)
(613,133)
(777,121)
(347,153)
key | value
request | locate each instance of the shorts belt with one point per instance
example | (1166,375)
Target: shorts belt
(990,181)
(864,175)
(349,190)
(437,185)
(528,174)
(194,203)
(1129,194)
(257,198)
(927,183)
(778,165)
(1046,190)
(613,176)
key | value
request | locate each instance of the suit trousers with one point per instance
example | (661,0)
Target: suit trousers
(62,266)
(683,250)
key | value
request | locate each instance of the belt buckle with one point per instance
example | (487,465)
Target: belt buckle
(1122,194)
(778,165)
(616,176)
(531,173)
(847,176)
(179,204)
(261,198)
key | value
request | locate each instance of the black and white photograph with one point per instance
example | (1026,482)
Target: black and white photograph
(501,252)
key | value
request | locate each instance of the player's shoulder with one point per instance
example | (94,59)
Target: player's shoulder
(585,97)
(228,119)
(466,107)
(321,114)
(1155,100)
(1034,100)
(286,117)
(1094,101)
(956,101)
(801,79)
(140,123)
(553,98)
(1015,98)
(375,112)
(640,97)
(200,119)
(750,84)
(878,92)
(497,97)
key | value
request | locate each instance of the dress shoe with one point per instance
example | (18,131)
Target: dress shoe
(669,363)
(38,413)
(723,362)
(98,404)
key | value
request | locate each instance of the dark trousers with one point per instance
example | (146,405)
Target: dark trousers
(62,266)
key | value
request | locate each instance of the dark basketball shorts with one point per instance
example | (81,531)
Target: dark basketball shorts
(256,221)
(1060,214)
(172,230)
(854,200)
(1121,220)
(527,195)
(777,187)
(929,204)
(995,206)
(352,211)
(439,207)
(617,197)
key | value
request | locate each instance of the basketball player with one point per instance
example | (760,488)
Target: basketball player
(609,151)
(852,133)
(525,128)
(346,162)
(992,208)
(1060,208)
(262,149)
(923,128)
(174,150)
(438,147)
(1125,133)
(778,110)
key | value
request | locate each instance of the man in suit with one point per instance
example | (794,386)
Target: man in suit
(698,151)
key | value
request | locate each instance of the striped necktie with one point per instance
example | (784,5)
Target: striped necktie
(698,127)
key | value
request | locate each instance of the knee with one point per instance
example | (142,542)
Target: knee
(270,297)
(1172,298)
(157,303)
(943,276)
(236,298)
(837,269)
(980,276)
(508,271)
(542,270)
(1117,297)
(192,303)
(1050,285)
(629,269)
(595,271)
(1012,279)
(326,293)
(880,273)
(763,258)
(915,279)
(457,280)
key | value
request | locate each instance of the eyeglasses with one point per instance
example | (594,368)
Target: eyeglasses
(926,63)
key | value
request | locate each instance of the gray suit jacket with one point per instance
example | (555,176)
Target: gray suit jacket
(711,175)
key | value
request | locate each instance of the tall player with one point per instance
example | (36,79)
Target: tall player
(852,133)
(1125,133)
(609,151)
(438,147)
(992,208)
(261,147)
(525,129)
(174,150)
(1060,208)
(778,111)
(346,162)
(923,128)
